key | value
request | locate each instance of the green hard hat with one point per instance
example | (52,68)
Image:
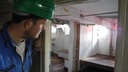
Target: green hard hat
(41,8)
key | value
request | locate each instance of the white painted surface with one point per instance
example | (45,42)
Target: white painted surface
(88,41)
(73,12)
(63,55)
(60,40)
(101,6)
(95,40)
(47,45)
(114,40)
(104,41)
(66,63)
(66,42)
(71,46)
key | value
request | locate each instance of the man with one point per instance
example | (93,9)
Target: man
(27,22)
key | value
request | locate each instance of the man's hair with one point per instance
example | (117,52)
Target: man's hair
(16,18)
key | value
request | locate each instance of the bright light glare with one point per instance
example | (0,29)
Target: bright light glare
(64,27)
(102,31)
(53,29)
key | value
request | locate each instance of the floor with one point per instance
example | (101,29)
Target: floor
(98,63)
(57,64)
(94,69)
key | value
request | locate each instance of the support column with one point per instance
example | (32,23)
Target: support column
(71,46)
(122,38)
(47,46)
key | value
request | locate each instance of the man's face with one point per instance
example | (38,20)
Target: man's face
(36,28)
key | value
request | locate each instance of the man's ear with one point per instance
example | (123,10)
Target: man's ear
(28,23)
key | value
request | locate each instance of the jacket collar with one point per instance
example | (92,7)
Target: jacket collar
(7,37)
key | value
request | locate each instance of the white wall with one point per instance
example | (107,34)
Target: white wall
(104,41)
(88,39)
(96,39)
(66,42)
(61,41)
(114,40)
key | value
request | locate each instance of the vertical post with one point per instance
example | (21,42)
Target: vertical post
(77,26)
(47,45)
(122,38)
(71,46)
(111,40)
(42,53)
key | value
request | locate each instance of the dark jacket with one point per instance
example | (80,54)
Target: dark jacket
(10,60)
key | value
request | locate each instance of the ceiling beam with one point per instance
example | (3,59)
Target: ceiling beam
(106,13)
(73,2)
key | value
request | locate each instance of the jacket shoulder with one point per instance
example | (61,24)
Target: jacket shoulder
(1,39)
(2,43)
